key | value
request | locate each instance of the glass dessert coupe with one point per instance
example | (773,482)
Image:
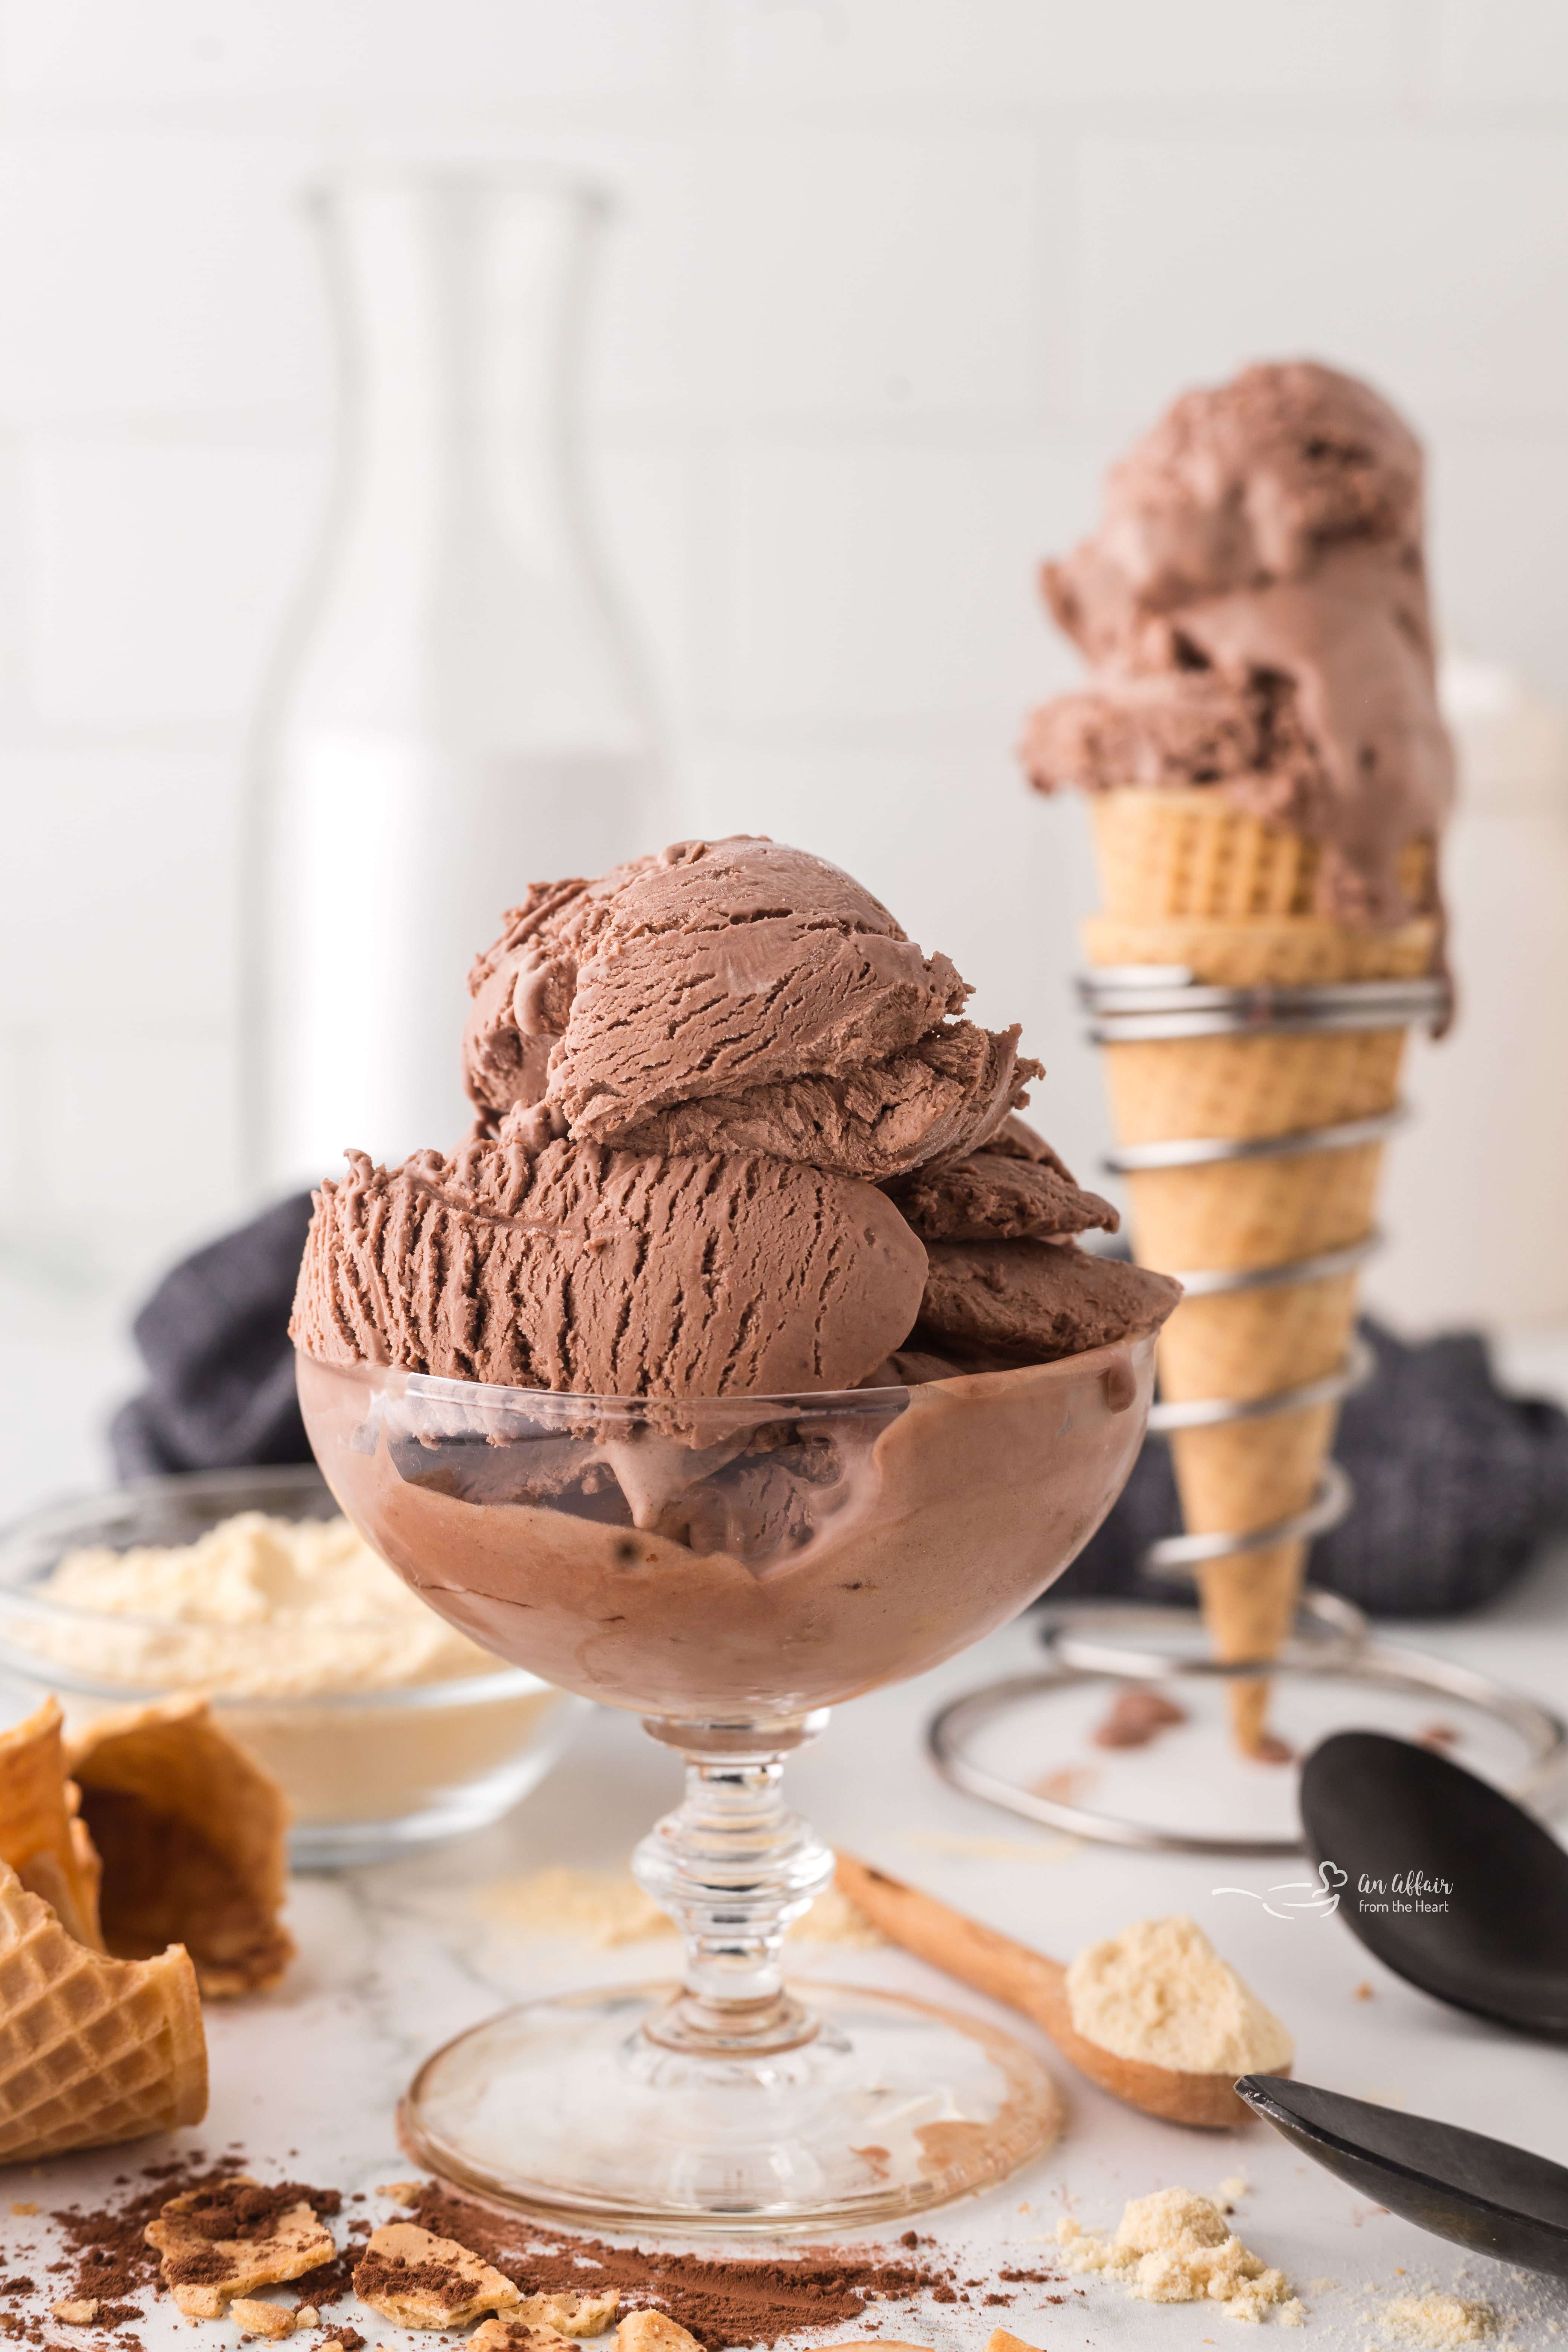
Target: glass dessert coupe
(729,1569)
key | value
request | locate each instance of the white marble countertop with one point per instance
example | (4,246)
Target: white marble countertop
(395,1958)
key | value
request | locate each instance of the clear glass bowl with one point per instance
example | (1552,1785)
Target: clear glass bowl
(734,1559)
(730,1568)
(369,1773)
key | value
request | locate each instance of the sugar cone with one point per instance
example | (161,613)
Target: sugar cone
(92,2050)
(1164,856)
(1191,880)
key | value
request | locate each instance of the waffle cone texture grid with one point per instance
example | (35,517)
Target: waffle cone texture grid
(92,2050)
(1190,879)
(1195,853)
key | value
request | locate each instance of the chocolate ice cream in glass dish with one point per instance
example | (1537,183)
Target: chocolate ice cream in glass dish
(744,1359)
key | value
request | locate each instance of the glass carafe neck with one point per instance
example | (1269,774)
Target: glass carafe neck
(461,597)
(462,312)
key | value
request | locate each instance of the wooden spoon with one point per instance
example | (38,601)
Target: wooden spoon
(1036,1984)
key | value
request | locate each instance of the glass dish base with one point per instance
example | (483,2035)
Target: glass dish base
(570,2108)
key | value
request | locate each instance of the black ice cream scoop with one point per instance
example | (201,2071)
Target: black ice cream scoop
(1447,1882)
(1481,2193)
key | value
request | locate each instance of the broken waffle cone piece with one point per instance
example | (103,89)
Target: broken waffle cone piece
(569,2314)
(224,2242)
(92,2050)
(508,2335)
(261,2318)
(653,2331)
(419,2280)
(42,1835)
(194,1841)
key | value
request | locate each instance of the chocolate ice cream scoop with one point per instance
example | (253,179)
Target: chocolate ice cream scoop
(1254,607)
(606,1273)
(734,995)
(1031,1301)
(993,1197)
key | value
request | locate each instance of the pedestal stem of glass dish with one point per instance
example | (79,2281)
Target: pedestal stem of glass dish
(733,1868)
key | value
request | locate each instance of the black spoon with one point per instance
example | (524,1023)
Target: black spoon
(1488,1931)
(1481,2193)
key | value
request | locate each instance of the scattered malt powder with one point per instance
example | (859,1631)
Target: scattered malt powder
(608,1907)
(1176,2247)
(1437,2321)
(602,1906)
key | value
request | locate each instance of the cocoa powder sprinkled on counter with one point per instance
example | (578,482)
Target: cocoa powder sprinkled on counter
(110,2260)
(245,2211)
(327,2283)
(721,2303)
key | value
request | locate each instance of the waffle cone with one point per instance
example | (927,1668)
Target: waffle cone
(1191,880)
(92,2050)
(193,1839)
(1197,853)
(42,1835)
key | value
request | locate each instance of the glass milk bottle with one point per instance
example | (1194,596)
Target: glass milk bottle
(460,711)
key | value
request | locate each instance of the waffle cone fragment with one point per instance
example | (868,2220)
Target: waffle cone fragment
(42,1835)
(206,2271)
(194,1840)
(1190,879)
(92,2050)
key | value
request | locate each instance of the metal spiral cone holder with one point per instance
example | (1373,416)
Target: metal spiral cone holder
(1128,1641)
(1153,1003)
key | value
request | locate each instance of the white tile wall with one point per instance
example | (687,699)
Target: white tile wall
(891,279)
(1045,52)
(893,584)
(1499,528)
(109,925)
(1431,260)
(246,54)
(165,276)
(1501,48)
(162,572)
(827,272)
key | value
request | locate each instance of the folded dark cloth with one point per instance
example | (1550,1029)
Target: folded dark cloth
(1457,1484)
(215,1339)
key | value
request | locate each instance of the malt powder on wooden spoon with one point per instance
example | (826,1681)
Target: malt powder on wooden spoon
(1146,1988)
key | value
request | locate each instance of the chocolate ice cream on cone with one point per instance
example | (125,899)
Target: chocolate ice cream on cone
(1269,777)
